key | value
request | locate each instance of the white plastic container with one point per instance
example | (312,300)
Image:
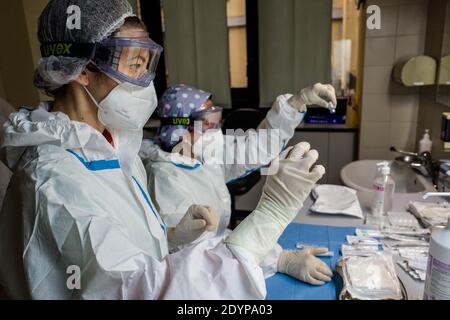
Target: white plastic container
(383,190)
(425,144)
(437,283)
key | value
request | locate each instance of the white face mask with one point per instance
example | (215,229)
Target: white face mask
(127,106)
(209,146)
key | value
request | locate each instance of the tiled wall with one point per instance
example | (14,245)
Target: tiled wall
(390,111)
(429,110)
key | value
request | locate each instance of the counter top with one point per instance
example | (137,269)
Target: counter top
(413,288)
(323,127)
(327,127)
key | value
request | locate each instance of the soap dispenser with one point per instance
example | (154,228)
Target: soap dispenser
(425,144)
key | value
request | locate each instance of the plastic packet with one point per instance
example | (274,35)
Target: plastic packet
(360,249)
(371,278)
(362,240)
(369,233)
(403,219)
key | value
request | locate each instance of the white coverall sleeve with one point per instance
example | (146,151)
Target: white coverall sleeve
(209,270)
(258,153)
(269,264)
(114,265)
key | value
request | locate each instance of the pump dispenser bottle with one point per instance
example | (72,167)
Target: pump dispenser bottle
(383,190)
(425,144)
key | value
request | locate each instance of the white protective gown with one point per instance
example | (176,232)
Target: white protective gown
(69,205)
(205,182)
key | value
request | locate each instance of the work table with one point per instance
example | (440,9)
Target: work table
(413,288)
(154,124)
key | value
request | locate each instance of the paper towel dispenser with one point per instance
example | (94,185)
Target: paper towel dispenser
(416,71)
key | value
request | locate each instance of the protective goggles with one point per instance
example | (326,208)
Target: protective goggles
(128,59)
(211,118)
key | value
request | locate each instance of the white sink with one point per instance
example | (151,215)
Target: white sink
(360,175)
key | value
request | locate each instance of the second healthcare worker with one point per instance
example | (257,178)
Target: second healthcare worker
(195,160)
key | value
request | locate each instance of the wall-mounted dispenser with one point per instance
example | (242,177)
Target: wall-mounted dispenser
(416,71)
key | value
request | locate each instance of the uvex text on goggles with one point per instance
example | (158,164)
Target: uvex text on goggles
(128,59)
(212,116)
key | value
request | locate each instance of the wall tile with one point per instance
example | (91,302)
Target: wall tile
(373,154)
(389,110)
(388,22)
(380,51)
(393,2)
(412,18)
(409,46)
(404,108)
(375,135)
(403,135)
(377,79)
(375,107)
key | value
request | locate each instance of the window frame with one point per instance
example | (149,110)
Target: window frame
(240,97)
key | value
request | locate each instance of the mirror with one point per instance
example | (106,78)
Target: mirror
(443,93)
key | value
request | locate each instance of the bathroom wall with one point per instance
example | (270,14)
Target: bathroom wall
(429,110)
(19,58)
(389,113)
(2,89)
(16,62)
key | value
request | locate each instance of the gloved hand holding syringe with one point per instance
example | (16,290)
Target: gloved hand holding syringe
(300,245)
(322,95)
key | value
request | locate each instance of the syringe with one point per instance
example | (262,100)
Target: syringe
(300,245)
(331,107)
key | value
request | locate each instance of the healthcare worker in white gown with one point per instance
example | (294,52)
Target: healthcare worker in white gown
(77,221)
(187,158)
(200,175)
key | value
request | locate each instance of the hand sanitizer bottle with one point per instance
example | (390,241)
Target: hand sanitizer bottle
(383,190)
(425,144)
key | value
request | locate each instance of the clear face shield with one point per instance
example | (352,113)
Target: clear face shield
(211,117)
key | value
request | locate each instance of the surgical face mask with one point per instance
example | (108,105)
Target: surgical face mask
(209,146)
(127,106)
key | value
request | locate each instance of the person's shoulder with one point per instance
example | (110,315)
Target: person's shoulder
(162,169)
(49,172)
(49,159)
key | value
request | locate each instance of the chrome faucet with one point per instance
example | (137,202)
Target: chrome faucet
(436,194)
(421,162)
